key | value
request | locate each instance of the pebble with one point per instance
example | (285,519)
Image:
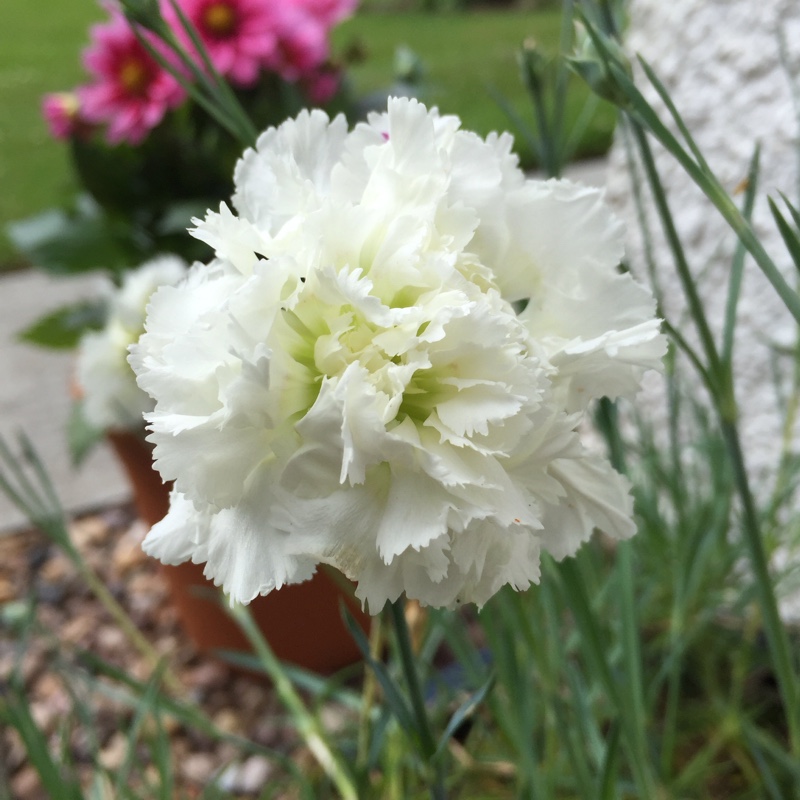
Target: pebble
(26,783)
(236,703)
(57,569)
(113,754)
(228,721)
(254,774)
(88,531)
(197,767)
(128,555)
(207,675)
(110,639)
(7,590)
(79,629)
(249,777)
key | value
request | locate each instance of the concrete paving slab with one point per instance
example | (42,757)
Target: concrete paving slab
(34,396)
(34,386)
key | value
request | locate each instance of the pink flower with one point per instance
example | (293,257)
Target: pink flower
(61,111)
(239,35)
(327,12)
(322,85)
(131,92)
(302,43)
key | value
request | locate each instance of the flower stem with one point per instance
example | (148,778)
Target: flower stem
(369,692)
(424,731)
(308,726)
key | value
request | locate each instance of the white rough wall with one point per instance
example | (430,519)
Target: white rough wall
(721,62)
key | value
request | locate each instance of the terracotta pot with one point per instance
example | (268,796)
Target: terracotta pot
(302,623)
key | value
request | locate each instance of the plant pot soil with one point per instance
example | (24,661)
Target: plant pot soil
(302,622)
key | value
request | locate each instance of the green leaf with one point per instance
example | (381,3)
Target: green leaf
(81,436)
(63,328)
(608,778)
(790,236)
(465,710)
(69,244)
(15,712)
(394,699)
(792,210)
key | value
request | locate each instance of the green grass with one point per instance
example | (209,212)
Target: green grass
(39,52)
(463,55)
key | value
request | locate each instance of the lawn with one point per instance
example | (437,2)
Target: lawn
(467,59)
(463,56)
(39,52)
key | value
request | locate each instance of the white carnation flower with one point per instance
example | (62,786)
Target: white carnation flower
(111,398)
(349,382)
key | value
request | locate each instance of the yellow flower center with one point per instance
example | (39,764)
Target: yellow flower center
(133,75)
(69,103)
(219,19)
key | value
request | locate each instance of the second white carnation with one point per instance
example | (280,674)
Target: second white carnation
(111,398)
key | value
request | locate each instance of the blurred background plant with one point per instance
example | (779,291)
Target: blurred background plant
(146,152)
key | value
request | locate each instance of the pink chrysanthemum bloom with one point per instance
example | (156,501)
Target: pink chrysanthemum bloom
(327,12)
(302,43)
(322,85)
(239,35)
(61,111)
(131,92)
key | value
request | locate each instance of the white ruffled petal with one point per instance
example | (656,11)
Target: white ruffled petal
(349,383)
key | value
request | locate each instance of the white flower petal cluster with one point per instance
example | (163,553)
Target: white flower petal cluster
(111,398)
(350,383)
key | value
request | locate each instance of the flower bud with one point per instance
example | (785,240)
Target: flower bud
(143,12)
(594,66)
(534,66)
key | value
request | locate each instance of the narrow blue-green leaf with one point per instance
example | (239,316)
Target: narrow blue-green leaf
(378,741)
(608,777)
(311,682)
(631,642)
(44,513)
(784,656)
(789,235)
(774,748)
(466,709)
(162,758)
(594,650)
(664,95)
(522,128)
(765,774)
(146,706)
(398,704)
(737,265)
(81,436)
(688,283)
(792,210)
(187,714)
(14,712)
(640,110)
(31,456)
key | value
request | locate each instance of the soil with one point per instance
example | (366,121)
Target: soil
(53,631)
